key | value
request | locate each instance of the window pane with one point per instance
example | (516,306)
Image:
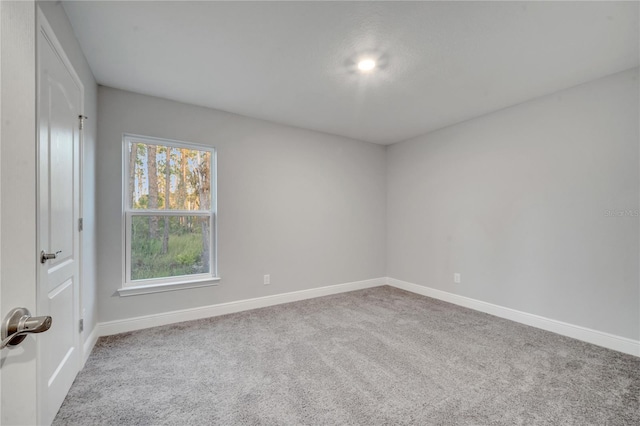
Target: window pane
(169,178)
(169,246)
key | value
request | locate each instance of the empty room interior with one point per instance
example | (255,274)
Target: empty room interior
(319,213)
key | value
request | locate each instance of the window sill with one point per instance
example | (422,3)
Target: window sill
(160,288)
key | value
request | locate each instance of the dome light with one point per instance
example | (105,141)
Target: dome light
(366,65)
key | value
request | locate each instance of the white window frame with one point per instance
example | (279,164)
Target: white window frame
(154,285)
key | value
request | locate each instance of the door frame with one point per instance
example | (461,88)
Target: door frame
(43,26)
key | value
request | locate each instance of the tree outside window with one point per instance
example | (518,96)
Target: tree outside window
(169,211)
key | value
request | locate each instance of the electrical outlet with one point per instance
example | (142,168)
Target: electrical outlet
(456,278)
(267,279)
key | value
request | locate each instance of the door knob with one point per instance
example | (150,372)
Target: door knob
(18,323)
(48,256)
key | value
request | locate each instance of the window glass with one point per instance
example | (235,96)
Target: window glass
(169,211)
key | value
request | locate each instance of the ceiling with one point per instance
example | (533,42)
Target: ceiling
(293,62)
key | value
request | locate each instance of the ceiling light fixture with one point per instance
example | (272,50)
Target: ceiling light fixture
(366,65)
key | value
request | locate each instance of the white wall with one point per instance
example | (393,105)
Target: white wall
(516,202)
(306,207)
(58,20)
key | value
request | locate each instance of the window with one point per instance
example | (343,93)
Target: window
(169,215)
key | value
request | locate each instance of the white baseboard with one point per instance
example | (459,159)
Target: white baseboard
(147,321)
(610,341)
(607,340)
(88,345)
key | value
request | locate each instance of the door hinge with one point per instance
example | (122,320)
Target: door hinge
(81,327)
(82,118)
(80,224)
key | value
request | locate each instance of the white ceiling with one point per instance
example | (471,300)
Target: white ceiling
(292,62)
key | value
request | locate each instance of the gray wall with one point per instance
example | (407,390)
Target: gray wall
(516,202)
(306,207)
(58,20)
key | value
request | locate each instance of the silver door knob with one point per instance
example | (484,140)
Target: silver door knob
(48,256)
(18,323)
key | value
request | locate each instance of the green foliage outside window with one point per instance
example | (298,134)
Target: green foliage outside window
(176,180)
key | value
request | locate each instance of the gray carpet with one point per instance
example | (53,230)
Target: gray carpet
(373,357)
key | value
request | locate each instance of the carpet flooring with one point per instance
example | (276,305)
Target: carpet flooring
(380,356)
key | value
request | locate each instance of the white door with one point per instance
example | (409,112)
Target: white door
(60,95)
(18,209)
(1,15)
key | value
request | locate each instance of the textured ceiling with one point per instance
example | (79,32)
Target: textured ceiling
(292,62)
